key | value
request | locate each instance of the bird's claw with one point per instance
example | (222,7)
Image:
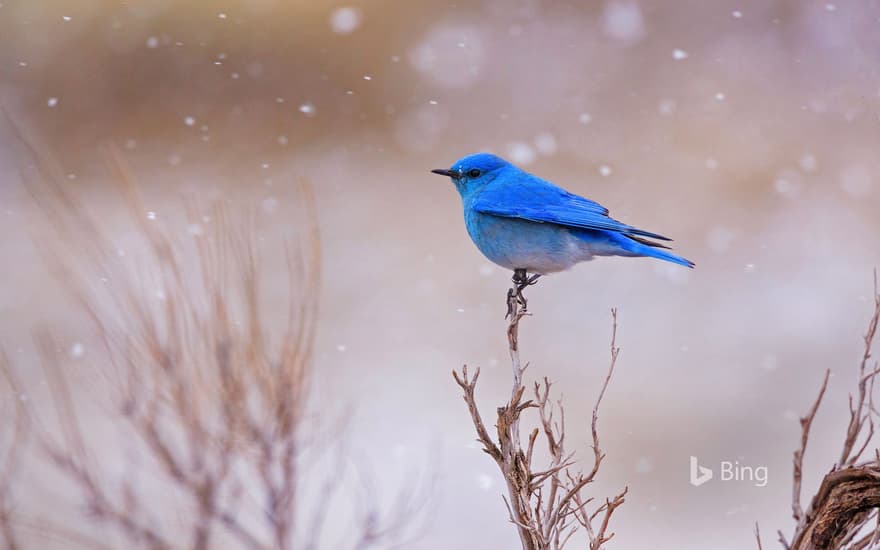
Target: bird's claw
(521,280)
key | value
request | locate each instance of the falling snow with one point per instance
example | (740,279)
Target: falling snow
(644,465)
(439,58)
(623,20)
(788,183)
(808,163)
(521,152)
(77,350)
(679,54)
(345,20)
(545,143)
(666,107)
(485,482)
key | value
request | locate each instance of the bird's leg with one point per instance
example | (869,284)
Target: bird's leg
(521,280)
(525,281)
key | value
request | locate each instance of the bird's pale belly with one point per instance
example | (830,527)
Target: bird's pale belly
(520,244)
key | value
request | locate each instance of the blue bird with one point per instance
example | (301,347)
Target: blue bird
(529,225)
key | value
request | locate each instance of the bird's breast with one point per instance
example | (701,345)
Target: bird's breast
(521,244)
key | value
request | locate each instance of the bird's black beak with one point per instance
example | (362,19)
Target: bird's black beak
(444,172)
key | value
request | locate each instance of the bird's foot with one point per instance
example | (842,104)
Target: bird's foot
(515,297)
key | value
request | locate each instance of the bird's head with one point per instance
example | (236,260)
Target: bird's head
(474,171)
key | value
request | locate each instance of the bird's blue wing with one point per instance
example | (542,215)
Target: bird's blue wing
(531,198)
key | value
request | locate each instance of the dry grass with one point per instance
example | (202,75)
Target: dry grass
(213,401)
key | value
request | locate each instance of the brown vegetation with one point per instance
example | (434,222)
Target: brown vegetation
(213,400)
(843,513)
(547,505)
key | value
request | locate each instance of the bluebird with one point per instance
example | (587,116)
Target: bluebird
(526,224)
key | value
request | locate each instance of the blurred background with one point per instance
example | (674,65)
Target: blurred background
(746,130)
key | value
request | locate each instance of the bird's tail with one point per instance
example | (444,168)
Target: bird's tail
(643,247)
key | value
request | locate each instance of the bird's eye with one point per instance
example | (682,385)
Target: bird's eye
(474,173)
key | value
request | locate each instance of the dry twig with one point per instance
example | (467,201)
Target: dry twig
(849,495)
(547,506)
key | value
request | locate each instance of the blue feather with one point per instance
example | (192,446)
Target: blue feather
(521,221)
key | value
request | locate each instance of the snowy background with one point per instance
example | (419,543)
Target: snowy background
(747,131)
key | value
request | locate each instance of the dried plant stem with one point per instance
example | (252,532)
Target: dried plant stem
(547,506)
(849,495)
(806,424)
(508,432)
(212,396)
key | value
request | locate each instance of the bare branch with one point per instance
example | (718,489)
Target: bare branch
(546,505)
(849,495)
(469,386)
(806,423)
